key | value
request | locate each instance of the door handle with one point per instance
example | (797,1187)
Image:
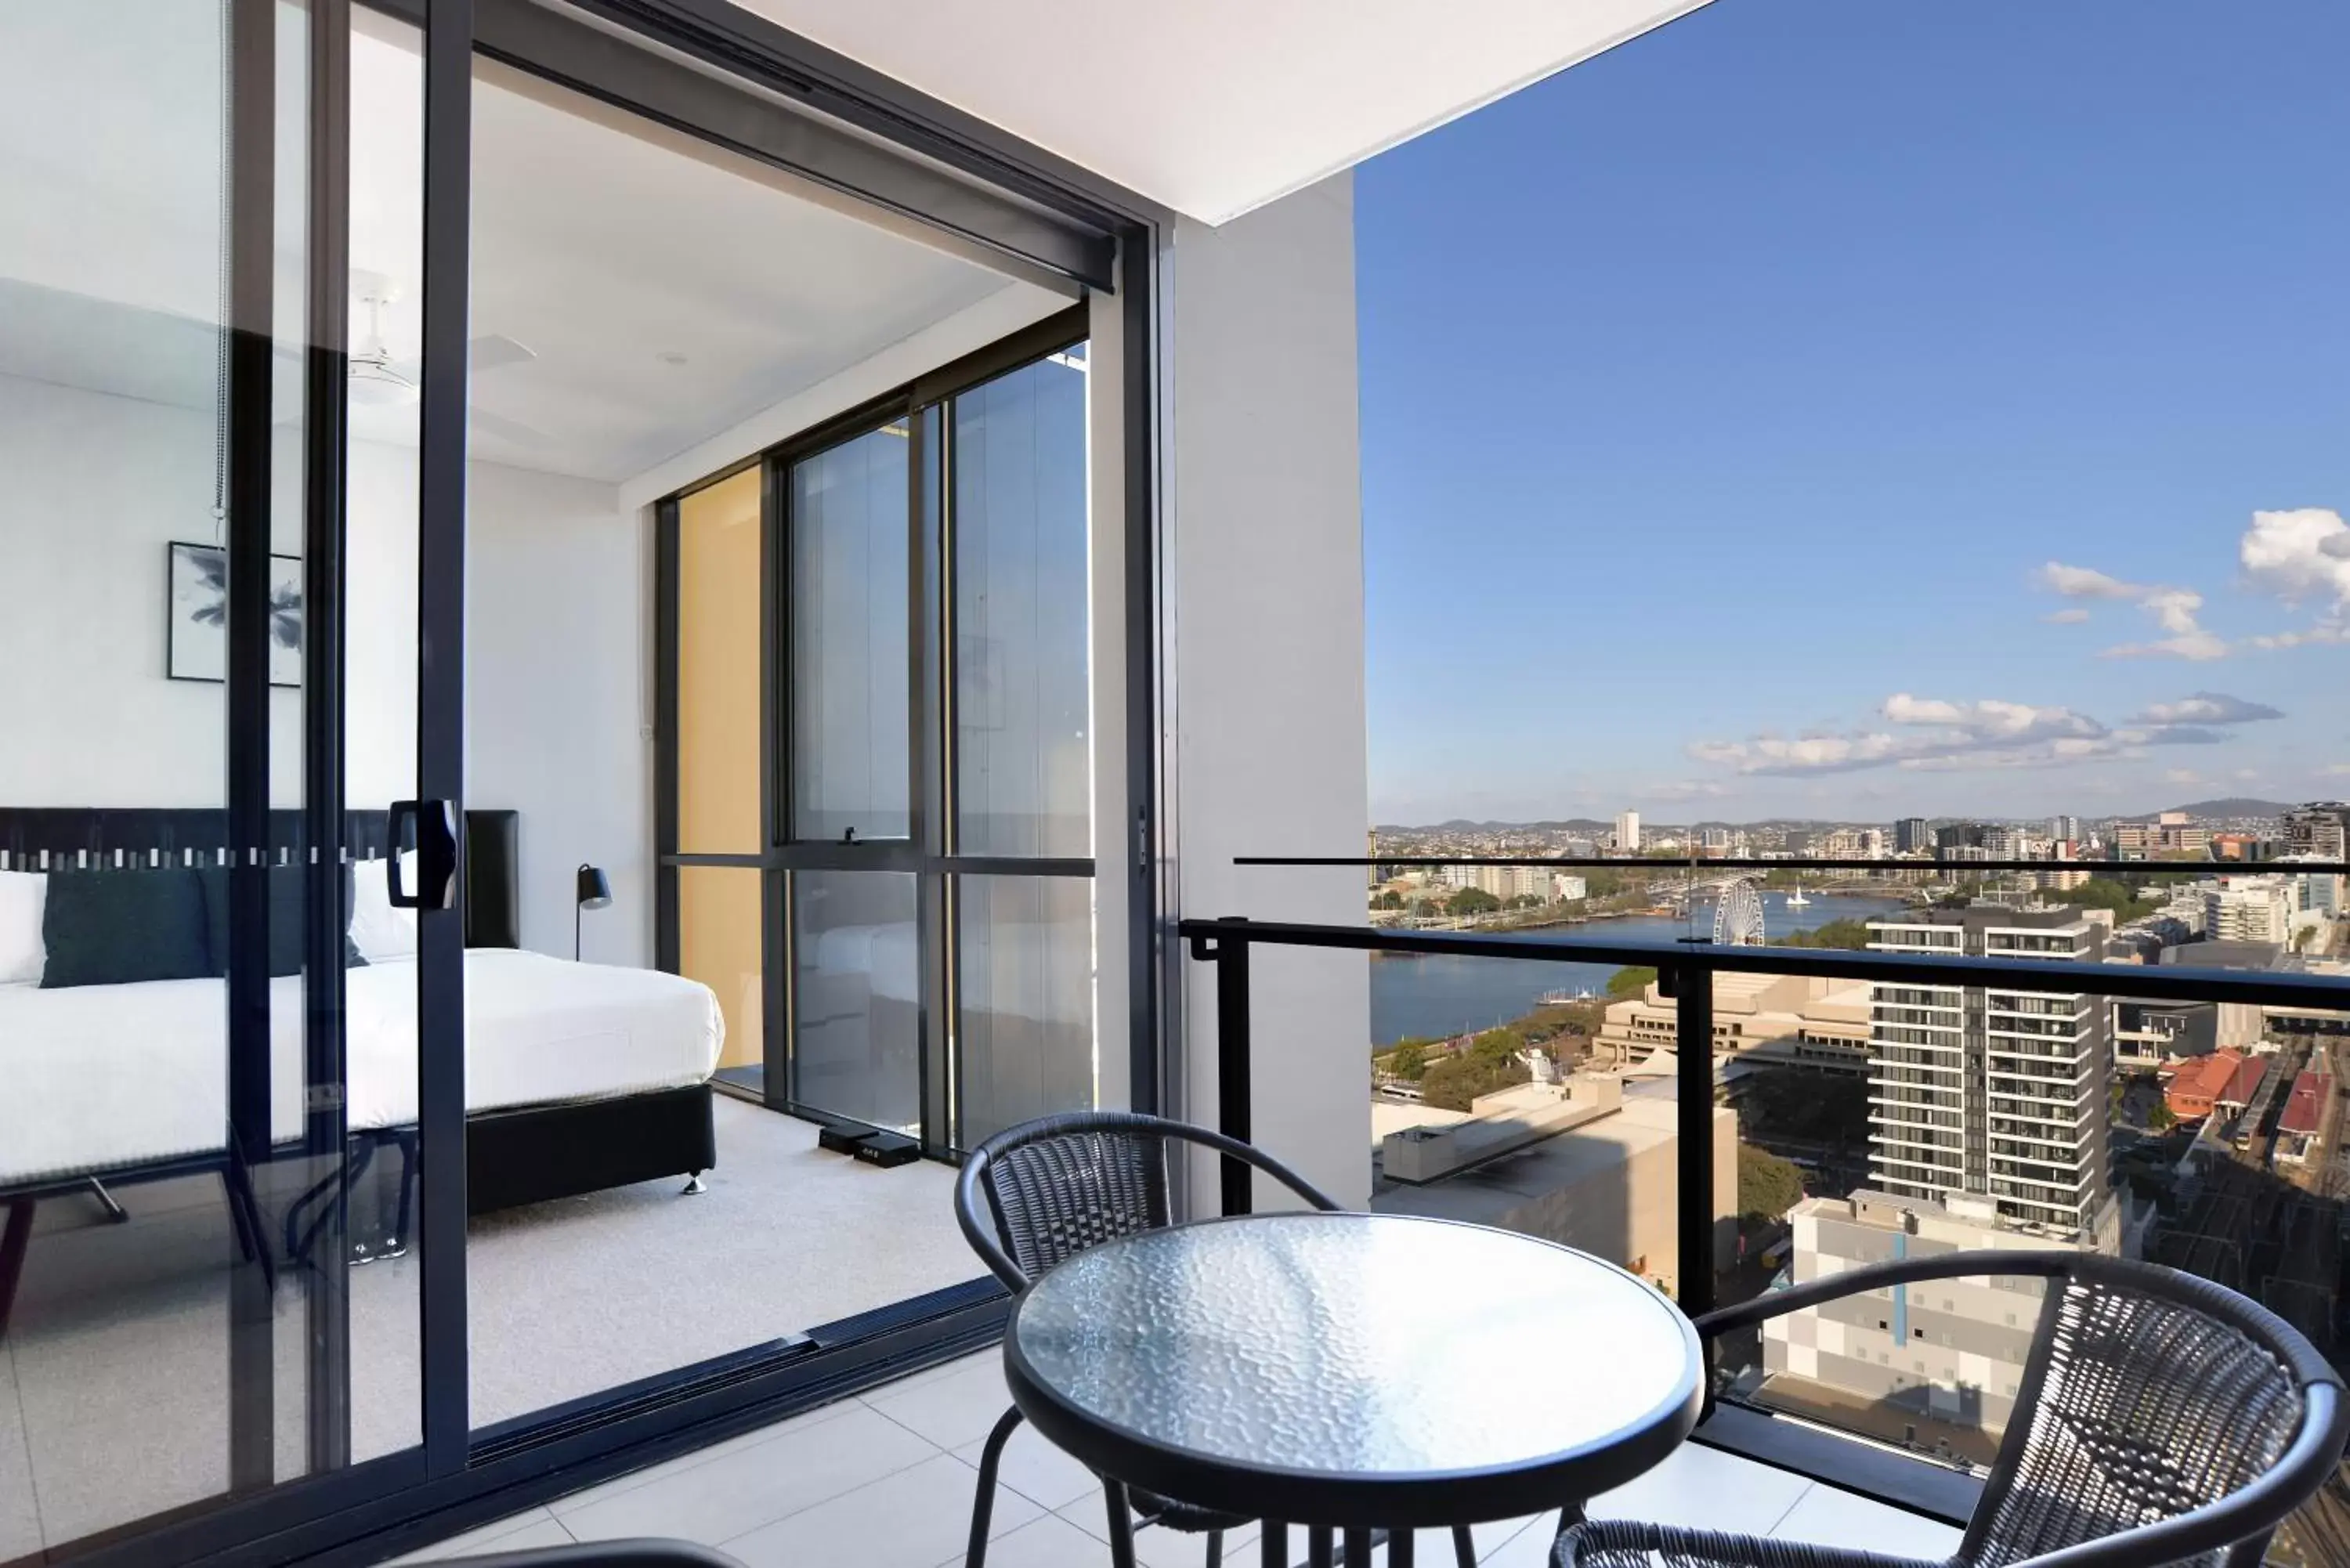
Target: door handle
(435,822)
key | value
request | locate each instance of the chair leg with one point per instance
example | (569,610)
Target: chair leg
(1464,1547)
(1215,1549)
(14,1243)
(982,1502)
(1121,1523)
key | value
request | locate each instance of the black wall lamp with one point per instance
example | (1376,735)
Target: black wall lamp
(595,892)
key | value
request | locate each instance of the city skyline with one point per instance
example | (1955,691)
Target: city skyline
(1987,466)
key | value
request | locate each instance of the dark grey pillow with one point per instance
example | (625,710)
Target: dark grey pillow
(114,928)
(285,894)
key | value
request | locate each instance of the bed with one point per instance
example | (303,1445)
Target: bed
(579,1076)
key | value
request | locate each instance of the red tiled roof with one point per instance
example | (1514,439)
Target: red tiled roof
(2305,1112)
(2203,1077)
(2246,1083)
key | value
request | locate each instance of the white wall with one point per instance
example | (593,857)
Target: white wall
(558,710)
(93,487)
(1263,543)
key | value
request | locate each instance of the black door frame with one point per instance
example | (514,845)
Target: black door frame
(1033,212)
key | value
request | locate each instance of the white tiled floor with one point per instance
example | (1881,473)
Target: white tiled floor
(886,1481)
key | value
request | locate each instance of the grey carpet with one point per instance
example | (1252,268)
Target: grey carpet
(113,1376)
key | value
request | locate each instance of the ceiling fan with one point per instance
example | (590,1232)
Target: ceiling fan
(377,380)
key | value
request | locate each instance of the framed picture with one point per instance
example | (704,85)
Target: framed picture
(196,615)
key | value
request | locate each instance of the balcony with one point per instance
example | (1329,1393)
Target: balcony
(1875,1184)
(885,1480)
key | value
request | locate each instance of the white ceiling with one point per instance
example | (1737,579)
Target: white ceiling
(613,251)
(1214,107)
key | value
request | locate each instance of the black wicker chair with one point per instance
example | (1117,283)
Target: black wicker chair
(1047,1190)
(2160,1420)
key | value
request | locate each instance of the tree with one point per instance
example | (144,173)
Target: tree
(2100,893)
(2162,1118)
(1767,1186)
(1844,933)
(1631,981)
(1390,899)
(1472,901)
(1452,1083)
(1409,1061)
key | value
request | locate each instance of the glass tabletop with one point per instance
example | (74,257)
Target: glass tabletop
(1358,1345)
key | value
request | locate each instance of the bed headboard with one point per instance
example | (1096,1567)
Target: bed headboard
(42,837)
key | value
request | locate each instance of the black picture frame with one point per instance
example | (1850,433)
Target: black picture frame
(195,635)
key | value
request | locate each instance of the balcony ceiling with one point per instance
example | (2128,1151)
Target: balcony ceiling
(1215,107)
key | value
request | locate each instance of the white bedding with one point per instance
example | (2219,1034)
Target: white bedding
(92,1077)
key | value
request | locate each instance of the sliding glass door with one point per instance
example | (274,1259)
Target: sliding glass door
(409,918)
(207,1287)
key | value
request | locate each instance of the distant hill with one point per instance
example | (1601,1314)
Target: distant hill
(2235,806)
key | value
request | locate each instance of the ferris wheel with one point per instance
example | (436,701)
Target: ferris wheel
(1738,915)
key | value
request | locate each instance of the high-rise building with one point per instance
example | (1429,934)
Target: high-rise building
(1713,838)
(1627,832)
(2003,842)
(1912,836)
(2250,908)
(1958,835)
(2064,829)
(1998,1093)
(2319,829)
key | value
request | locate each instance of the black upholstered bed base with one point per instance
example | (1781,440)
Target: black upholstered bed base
(530,1156)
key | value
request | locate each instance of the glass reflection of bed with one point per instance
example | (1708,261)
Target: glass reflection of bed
(579,1076)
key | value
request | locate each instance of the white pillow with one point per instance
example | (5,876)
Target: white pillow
(24,899)
(380,931)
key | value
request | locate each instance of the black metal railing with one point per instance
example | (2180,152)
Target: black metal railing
(1685,971)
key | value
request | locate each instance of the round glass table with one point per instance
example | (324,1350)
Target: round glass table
(1354,1371)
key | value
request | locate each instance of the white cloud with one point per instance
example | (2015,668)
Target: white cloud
(2073,616)
(2205,708)
(1688,789)
(2182,776)
(2084,583)
(2326,633)
(1931,734)
(2003,720)
(2338,770)
(2175,610)
(2245,775)
(2299,555)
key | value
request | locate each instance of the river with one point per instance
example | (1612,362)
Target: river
(1443,996)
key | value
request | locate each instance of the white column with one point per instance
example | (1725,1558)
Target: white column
(1262,546)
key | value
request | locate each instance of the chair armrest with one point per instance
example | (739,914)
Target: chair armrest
(1877,1277)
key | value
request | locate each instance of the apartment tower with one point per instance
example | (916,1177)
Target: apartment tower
(1995,1094)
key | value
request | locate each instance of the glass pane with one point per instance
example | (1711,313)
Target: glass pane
(719,944)
(1023,764)
(174,1301)
(718,729)
(1024,968)
(849,650)
(857,997)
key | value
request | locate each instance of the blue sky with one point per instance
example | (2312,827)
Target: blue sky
(1854,409)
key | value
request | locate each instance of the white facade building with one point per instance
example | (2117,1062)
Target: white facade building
(1993,1093)
(1627,832)
(2250,908)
